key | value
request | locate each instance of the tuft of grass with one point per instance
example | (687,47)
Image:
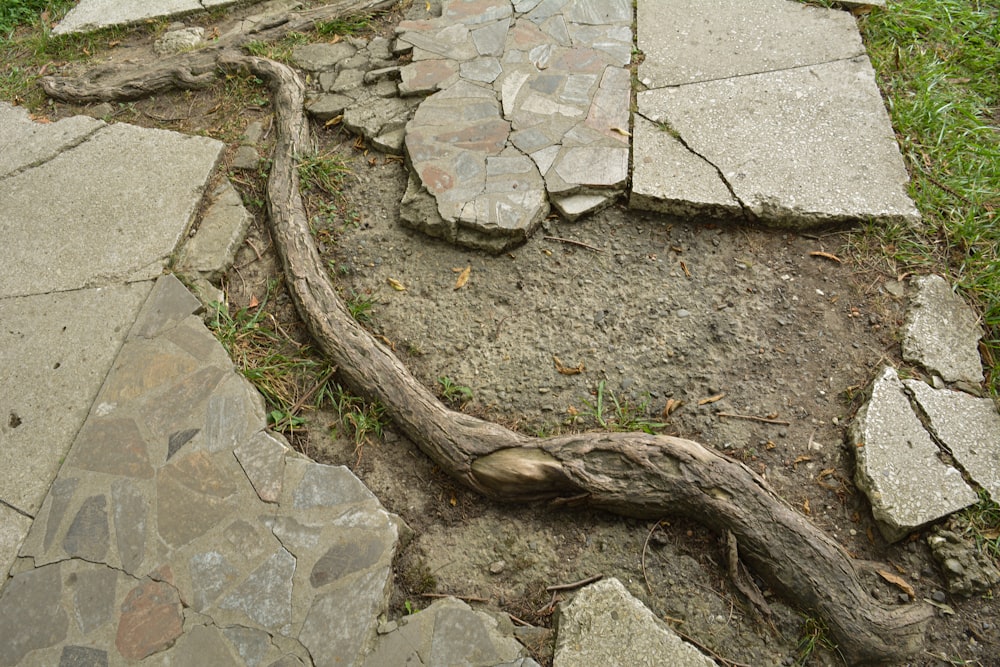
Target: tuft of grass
(936,63)
(982,523)
(360,307)
(351,25)
(323,172)
(614,414)
(814,635)
(291,379)
(359,419)
(17,13)
(280,50)
(455,394)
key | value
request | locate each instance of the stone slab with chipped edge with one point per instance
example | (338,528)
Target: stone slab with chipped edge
(941,333)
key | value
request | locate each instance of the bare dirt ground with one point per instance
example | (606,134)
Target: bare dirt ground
(682,323)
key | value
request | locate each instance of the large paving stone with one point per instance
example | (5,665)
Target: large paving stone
(686,41)
(968,426)
(801,147)
(898,465)
(77,221)
(91,15)
(941,333)
(24,143)
(56,350)
(13,529)
(604,625)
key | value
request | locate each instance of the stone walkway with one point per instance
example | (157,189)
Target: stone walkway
(147,516)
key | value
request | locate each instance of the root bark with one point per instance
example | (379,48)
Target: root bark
(631,474)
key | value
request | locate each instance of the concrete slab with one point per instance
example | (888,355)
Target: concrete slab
(604,625)
(25,144)
(799,147)
(14,527)
(968,426)
(686,41)
(669,178)
(56,350)
(223,226)
(90,15)
(111,208)
(941,333)
(898,465)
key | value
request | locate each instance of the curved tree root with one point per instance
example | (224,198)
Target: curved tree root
(632,474)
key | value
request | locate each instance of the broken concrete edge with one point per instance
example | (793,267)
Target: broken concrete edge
(893,447)
(178,9)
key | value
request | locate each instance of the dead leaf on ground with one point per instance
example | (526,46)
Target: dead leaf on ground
(334,120)
(396,285)
(685,267)
(712,399)
(805,507)
(801,459)
(463,277)
(253,302)
(940,605)
(567,370)
(826,255)
(671,407)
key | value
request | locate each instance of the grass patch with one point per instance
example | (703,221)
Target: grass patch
(937,64)
(982,524)
(291,378)
(351,25)
(610,413)
(453,393)
(17,13)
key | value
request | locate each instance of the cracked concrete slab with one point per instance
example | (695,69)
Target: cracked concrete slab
(90,15)
(111,208)
(688,41)
(968,426)
(56,350)
(799,147)
(899,466)
(941,333)
(25,144)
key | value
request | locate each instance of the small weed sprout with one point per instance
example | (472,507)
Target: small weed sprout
(620,415)
(359,419)
(360,307)
(453,393)
(814,635)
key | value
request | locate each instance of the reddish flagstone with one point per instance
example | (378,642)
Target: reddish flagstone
(151,620)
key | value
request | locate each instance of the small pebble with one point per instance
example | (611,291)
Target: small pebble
(497,567)
(939,596)
(682,313)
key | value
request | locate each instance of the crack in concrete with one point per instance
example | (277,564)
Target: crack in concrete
(75,143)
(757,73)
(16,509)
(945,455)
(748,214)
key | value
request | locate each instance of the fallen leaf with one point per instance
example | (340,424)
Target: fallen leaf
(826,472)
(567,370)
(805,507)
(624,133)
(801,459)
(685,267)
(769,446)
(712,399)
(253,301)
(396,285)
(463,277)
(334,120)
(671,406)
(453,501)
(940,605)
(826,255)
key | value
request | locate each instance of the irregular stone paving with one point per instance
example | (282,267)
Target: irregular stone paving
(526,98)
(180,528)
(919,446)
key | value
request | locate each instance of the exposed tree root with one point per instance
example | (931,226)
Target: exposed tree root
(632,474)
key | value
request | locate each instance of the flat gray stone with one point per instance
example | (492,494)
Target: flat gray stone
(176,41)
(339,627)
(263,461)
(31,613)
(87,536)
(83,656)
(266,595)
(24,143)
(448,632)
(686,41)
(76,218)
(801,147)
(94,594)
(328,106)
(377,115)
(56,350)
(604,625)
(130,511)
(247,158)
(898,466)
(169,304)
(328,486)
(224,225)
(669,178)
(317,57)
(941,333)
(90,15)
(968,426)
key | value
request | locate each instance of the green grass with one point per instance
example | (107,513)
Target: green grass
(291,378)
(455,394)
(610,413)
(17,13)
(982,523)
(937,64)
